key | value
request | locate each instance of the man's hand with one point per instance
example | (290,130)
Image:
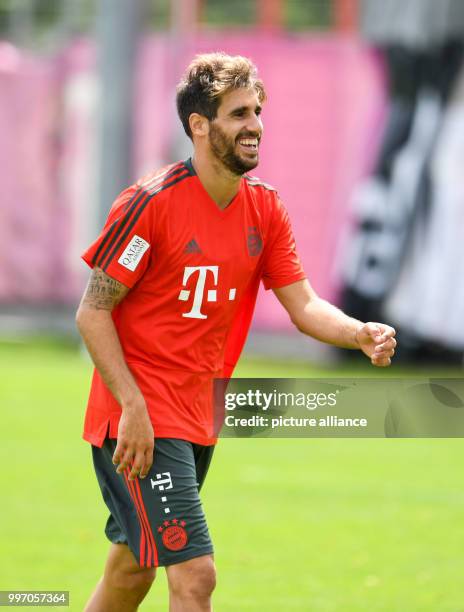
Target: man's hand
(135,441)
(377,341)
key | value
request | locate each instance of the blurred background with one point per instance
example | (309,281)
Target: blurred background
(364,132)
(364,139)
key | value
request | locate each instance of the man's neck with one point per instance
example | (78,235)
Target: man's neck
(221,184)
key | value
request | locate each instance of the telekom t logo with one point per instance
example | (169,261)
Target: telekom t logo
(184,295)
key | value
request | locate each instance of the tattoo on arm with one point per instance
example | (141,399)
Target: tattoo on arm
(103,292)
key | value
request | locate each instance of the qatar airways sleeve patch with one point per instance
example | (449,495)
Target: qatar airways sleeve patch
(133,253)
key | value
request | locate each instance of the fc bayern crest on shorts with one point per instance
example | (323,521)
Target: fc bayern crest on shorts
(173,534)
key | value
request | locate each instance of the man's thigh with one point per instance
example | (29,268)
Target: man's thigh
(160,517)
(121,561)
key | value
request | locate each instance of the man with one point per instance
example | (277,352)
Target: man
(175,276)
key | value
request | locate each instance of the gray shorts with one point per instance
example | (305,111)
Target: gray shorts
(159,517)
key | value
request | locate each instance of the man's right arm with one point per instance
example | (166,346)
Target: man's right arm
(94,321)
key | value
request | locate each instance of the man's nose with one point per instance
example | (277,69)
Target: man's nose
(255,125)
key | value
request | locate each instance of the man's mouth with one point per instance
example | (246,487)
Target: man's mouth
(251,144)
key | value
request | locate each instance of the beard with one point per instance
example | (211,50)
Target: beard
(223,149)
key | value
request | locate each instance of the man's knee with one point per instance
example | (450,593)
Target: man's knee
(203,580)
(195,578)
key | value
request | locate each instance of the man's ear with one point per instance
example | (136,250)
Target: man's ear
(199,125)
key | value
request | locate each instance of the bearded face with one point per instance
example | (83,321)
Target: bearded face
(235,133)
(238,153)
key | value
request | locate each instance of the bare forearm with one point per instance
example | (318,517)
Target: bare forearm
(327,323)
(95,323)
(101,339)
(317,318)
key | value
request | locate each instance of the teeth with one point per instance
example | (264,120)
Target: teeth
(249,142)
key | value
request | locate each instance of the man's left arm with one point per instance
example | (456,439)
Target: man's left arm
(315,317)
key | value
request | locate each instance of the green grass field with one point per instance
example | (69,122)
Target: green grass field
(316,525)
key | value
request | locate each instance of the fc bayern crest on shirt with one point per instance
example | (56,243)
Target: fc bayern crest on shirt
(254,242)
(173,534)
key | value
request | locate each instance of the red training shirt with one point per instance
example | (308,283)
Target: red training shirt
(194,272)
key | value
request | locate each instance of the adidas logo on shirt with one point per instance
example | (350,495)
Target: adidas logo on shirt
(192,247)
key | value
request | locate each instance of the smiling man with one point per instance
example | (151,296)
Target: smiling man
(176,271)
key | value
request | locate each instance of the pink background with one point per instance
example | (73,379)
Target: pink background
(323,120)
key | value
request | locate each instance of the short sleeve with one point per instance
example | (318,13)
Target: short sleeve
(122,250)
(282,265)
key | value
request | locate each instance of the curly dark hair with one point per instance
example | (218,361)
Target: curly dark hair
(208,78)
